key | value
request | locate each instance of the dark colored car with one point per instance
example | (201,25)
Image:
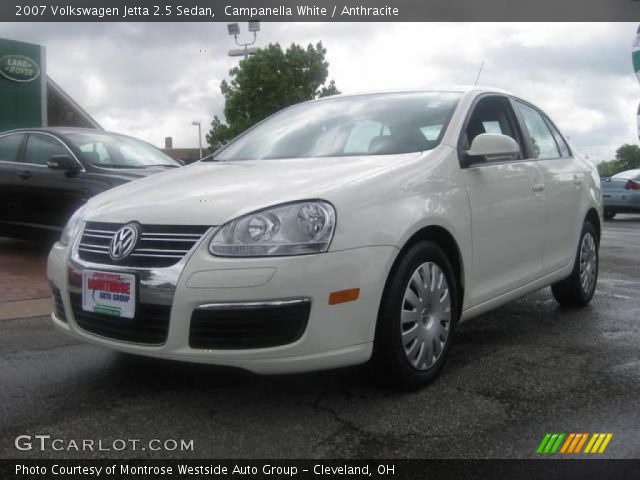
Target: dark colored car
(46,174)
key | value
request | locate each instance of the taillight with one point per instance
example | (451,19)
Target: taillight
(631,185)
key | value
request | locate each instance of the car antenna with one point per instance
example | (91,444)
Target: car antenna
(479,72)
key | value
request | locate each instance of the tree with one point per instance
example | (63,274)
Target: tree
(218,135)
(608,168)
(628,157)
(268,81)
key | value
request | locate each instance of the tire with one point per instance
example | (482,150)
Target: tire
(409,354)
(578,288)
(609,214)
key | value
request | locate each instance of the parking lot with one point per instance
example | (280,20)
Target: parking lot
(514,374)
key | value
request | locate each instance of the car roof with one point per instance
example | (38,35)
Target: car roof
(627,174)
(463,89)
(59,130)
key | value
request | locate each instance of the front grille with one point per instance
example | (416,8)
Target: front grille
(158,245)
(58,307)
(240,327)
(150,325)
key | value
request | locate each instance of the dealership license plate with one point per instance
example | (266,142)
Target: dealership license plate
(109,293)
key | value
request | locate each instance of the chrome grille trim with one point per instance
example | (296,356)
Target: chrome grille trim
(159,246)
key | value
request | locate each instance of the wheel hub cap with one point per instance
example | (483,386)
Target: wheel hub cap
(425,316)
(588,263)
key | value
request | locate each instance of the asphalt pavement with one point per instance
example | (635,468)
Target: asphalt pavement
(514,374)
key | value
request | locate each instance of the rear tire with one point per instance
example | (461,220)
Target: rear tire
(417,318)
(578,288)
(609,214)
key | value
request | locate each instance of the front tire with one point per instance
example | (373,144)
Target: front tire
(418,314)
(578,288)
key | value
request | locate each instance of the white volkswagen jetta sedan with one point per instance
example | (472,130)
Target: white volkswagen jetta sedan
(336,231)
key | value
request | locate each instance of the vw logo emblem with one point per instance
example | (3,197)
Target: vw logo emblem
(123,242)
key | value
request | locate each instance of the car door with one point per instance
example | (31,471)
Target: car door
(12,200)
(52,195)
(507,206)
(564,179)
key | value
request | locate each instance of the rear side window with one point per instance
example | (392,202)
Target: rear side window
(543,142)
(9,147)
(41,148)
(562,145)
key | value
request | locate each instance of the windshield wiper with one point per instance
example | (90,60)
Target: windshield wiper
(158,165)
(111,165)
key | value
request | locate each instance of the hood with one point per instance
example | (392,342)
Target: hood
(213,193)
(122,175)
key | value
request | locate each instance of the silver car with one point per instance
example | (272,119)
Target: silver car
(621,193)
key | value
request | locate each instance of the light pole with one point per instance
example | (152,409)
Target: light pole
(199,136)
(234,30)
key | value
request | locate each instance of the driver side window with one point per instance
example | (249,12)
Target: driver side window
(41,148)
(491,115)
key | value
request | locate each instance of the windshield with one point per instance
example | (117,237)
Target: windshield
(344,126)
(117,151)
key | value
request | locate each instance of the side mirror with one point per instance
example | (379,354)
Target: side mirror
(63,162)
(492,147)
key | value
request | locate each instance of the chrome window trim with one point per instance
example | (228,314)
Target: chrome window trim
(31,132)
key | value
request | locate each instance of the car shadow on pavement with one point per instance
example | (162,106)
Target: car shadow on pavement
(623,218)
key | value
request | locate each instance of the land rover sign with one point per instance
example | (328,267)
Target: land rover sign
(23,85)
(19,68)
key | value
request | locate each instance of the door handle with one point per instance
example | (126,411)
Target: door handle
(25,174)
(538,187)
(577,181)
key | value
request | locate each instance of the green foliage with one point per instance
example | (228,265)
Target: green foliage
(608,168)
(627,158)
(218,135)
(268,81)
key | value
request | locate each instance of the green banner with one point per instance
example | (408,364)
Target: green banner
(23,80)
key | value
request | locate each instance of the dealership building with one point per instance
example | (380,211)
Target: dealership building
(29,97)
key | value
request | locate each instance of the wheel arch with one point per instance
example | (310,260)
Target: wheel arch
(593,218)
(445,240)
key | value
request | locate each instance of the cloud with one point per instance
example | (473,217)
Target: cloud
(151,80)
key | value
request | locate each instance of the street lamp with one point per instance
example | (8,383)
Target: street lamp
(199,135)
(234,31)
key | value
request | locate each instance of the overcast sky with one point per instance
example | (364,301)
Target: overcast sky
(152,80)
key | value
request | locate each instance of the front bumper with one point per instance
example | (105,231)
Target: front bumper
(334,335)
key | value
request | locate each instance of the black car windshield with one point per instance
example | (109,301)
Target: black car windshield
(379,124)
(118,151)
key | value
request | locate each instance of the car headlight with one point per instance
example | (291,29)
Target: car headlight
(72,227)
(293,229)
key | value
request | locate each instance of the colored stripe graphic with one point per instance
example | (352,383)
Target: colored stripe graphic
(543,443)
(598,443)
(572,443)
(567,443)
(583,439)
(550,443)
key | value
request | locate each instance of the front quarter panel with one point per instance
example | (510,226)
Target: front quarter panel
(389,209)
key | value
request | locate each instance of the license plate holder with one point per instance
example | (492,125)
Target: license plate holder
(109,293)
